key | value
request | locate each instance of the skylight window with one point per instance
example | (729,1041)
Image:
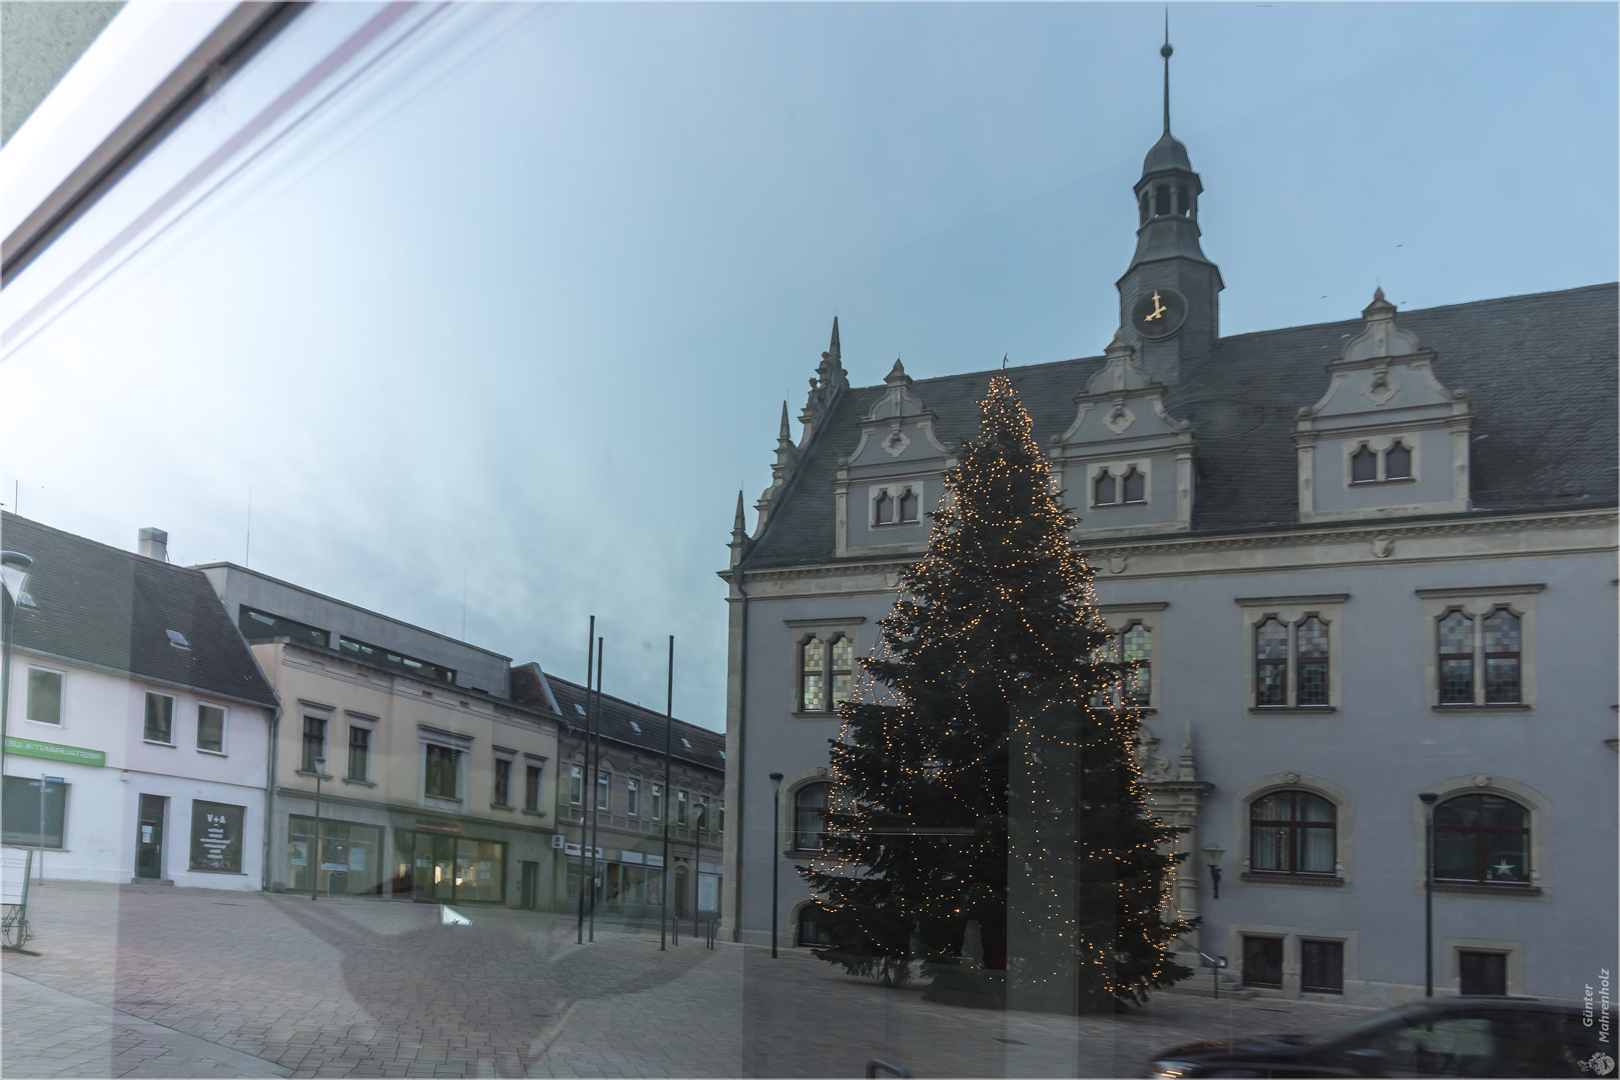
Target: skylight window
(636,726)
(685,743)
(579,708)
(177,639)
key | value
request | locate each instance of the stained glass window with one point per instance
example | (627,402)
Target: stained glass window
(1483,838)
(843,674)
(1398,463)
(812,685)
(1104,489)
(1137,645)
(1271,663)
(1363,465)
(1135,486)
(1311,645)
(1501,632)
(1292,832)
(1456,632)
(908,505)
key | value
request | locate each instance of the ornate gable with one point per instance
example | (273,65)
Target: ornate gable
(1386,439)
(895,477)
(1125,464)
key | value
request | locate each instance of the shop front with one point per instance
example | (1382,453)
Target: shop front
(433,866)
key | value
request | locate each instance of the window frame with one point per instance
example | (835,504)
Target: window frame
(1293,612)
(795,833)
(306,760)
(1120,618)
(1118,471)
(348,771)
(1379,446)
(1541,850)
(1481,833)
(60,723)
(683,802)
(894,492)
(502,778)
(224,728)
(828,632)
(534,779)
(1296,829)
(632,796)
(575,789)
(146,727)
(1478,604)
(460,750)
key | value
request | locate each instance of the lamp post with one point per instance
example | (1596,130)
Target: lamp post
(776,851)
(1428,798)
(14,567)
(314,855)
(1213,853)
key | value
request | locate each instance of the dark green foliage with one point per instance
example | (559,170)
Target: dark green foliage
(997,615)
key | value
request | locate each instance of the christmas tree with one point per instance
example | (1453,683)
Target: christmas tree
(994,631)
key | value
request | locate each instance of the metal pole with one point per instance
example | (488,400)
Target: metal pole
(1429,798)
(669,738)
(18,562)
(596,784)
(590,658)
(776,853)
(42,783)
(314,857)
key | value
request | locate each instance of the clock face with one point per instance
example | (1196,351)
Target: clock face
(1159,314)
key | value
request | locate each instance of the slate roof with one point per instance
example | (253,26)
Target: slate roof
(109,608)
(1540,371)
(707,749)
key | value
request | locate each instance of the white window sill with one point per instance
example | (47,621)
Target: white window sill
(216,753)
(1501,707)
(154,742)
(362,783)
(321,775)
(817,715)
(1118,505)
(1305,710)
(57,724)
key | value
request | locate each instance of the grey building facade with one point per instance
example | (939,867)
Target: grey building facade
(1357,561)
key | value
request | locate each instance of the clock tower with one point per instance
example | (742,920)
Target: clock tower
(1169,298)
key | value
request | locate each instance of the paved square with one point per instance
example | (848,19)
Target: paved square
(151,981)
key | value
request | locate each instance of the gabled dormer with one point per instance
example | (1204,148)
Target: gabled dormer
(1386,440)
(886,489)
(1125,465)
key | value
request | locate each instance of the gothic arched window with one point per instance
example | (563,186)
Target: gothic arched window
(812,676)
(1137,647)
(908,505)
(809,808)
(1292,832)
(1363,465)
(1482,838)
(1104,490)
(1311,648)
(1271,663)
(1398,462)
(1501,633)
(1135,486)
(843,670)
(883,509)
(1456,643)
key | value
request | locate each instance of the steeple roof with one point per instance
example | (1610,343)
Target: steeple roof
(1167,153)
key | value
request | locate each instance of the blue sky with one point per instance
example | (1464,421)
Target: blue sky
(521,322)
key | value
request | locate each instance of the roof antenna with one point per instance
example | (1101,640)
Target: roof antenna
(1165,52)
(1003,361)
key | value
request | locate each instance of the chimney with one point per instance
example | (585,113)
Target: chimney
(155,544)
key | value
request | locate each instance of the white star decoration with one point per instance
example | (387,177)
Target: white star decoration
(1503,869)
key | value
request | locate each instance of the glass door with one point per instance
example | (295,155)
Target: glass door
(149,837)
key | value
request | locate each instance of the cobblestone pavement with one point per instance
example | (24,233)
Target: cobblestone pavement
(148,981)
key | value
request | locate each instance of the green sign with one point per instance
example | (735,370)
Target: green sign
(78,755)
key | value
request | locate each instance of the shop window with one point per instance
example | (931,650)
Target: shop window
(448,868)
(1262,962)
(216,837)
(359,752)
(350,858)
(314,744)
(1483,839)
(160,718)
(44,696)
(20,821)
(211,728)
(1321,967)
(809,816)
(1292,832)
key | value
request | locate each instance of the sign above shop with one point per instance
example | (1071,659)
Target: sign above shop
(77,755)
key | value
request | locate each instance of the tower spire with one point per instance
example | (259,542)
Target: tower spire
(1165,52)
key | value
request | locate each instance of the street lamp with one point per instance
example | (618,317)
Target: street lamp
(314,856)
(14,567)
(1212,853)
(1428,799)
(776,851)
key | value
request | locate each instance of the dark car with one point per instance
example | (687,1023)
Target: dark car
(1454,1036)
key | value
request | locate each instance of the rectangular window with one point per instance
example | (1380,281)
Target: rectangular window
(632,797)
(1262,961)
(657,802)
(216,837)
(1482,972)
(44,696)
(1456,645)
(1291,645)
(314,744)
(720,808)
(531,788)
(703,812)
(1271,663)
(503,781)
(440,778)
(211,728)
(398,661)
(160,718)
(576,785)
(680,807)
(20,811)
(1136,648)
(1321,969)
(259,626)
(359,753)
(602,782)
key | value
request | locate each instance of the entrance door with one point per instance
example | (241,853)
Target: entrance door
(529,885)
(149,837)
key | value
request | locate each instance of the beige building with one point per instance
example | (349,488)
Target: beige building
(426,779)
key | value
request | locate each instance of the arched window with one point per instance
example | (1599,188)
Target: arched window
(883,509)
(908,505)
(1501,632)
(1363,465)
(1311,646)
(843,670)
(1161,200)
(1271,663)
(1398,463)
(1292,832)
(809,806)
(1137,646)
(1456,641)
(812,676)
(810,931)
(1104,489)
(1143,216)
(1135,485)
(1482,838)
(1183,203)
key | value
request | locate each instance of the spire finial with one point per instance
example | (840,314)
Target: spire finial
(786,432)
(1165,52)
(739,523)
(833,351)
